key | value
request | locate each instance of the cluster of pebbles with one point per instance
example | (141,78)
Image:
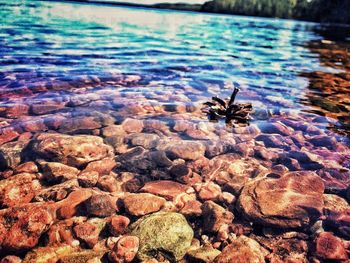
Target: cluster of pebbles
(117,170)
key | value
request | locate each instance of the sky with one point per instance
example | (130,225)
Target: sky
(151,2)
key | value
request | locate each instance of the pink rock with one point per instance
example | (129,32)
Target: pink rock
(18,189)
(61,233)
(7,134)
(215,216)
(108,183)
(88,178)
(14,111)
(142,204)
(71,150)
(291,201)
(11,259)
(68,207)
(165,188)
(209,191)
(132,125)
(125,250)
(103,167)
(28,167)
(187,150)
(242,250)
(87,232)
(330,247)
(58,172)
(22,226)
(192,208)
(118,225)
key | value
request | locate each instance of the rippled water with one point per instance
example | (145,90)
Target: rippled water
(88,58)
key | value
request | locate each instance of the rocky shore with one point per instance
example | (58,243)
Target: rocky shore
(92,173)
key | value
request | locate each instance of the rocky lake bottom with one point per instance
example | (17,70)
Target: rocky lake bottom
(120,167)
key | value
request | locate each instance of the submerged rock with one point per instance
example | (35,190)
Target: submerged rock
(75,150)
(330,247)
(292,201)
(142,204)
(242,250)
(164,233)
(10,154)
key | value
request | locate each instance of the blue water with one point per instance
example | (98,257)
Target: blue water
(58,50)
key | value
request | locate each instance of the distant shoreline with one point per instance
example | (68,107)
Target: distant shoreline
(203,8)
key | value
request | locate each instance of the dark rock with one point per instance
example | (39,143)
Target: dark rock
(100,206)
(215,216)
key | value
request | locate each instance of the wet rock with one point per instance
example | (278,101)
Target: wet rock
(275,128)
(57,192)
(293,200)
(339,223)
(13,110)
(100,206)
(330,247)
(10,154)
(103,167)
(180,170)
(209,191)
(69,206)
(18,189)
(335,180)
(275,141)
(215,148)
(22,226)
(192,208)
(164,233)
(108,183)
(187,150)
(7,135)
(63,253)
(118,225)
(57,172)
(146,140)
(205,254)
(28,167)
(61,232)
(215,216)
(71,150)
(242,250)
(165,188)
(79,125)
(125,250)
(46,106)
(87,232)
(132,125)
(335,204)
(324,141)
(11,259)
(232,171)
(142,204)
(88,178)
(137,160)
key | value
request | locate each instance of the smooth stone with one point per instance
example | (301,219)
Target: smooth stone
(125,250)
(291,201)
(10,154)
(100,205)
(165,188)
(142,204)
(330,247)
(165,233)
(187,150)
(215,216)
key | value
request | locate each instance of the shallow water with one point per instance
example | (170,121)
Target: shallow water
(138,79)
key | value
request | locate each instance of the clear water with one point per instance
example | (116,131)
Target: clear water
(59,51)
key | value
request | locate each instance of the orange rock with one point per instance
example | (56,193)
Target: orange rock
(7,134)
(132,125)
(330,247)
(142,204)
(87,232)
(103,167)
(118,225)
(215,216)
(11,259)
(68,207)
(100,205)
(125,250)
(165,188)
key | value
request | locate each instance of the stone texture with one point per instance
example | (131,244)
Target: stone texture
(293,200)
(132,125)
(87,232)
(165,188)
(18,189)
(69,206)
(10,154)
(57,172)
(11,259)
(330,247)
(22,226)
(187,150)
(75,150)
(100,205)
(215,216)
(142,204)
(118,225)
(242,250)
(205,254)
(56,192)
(164,233)
(125,250)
